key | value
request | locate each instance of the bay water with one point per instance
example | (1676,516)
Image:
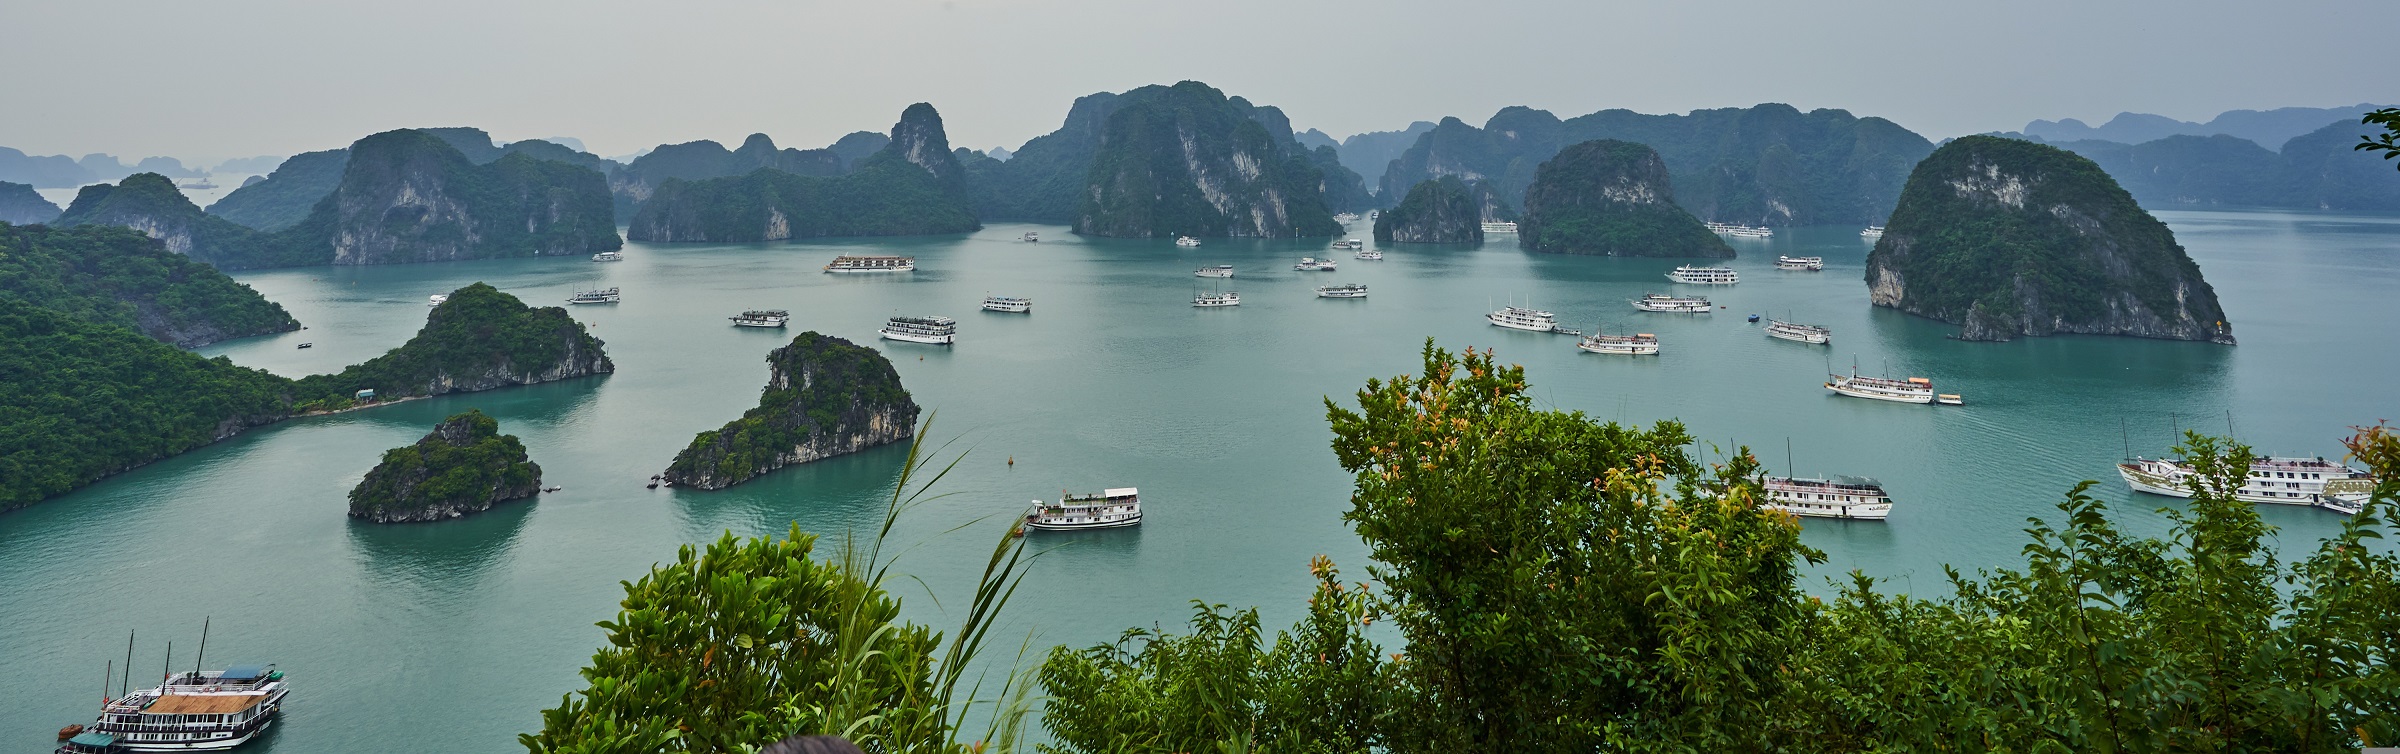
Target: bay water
(453,636)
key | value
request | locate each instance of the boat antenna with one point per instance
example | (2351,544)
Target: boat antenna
(111,672)
(196,661)
(1787,457)
(127,683)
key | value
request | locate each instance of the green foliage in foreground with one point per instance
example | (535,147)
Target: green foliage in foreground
(1555,598)
(80,400)
(119,276)
(754,640)
(2387,142)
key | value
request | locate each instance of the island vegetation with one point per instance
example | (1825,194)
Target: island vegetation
(1611,198)
(287,195)
(119,276)
(409,196)
(81,399)
(1443,210)
(463,466)
(150,203)
(2007,237)
(1167,163)
(1566,585)
(913,185)
(825,396)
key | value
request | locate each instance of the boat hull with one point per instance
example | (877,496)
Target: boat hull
(1134,520)
(1497,322)
(1640,349)
(1876,512)
(939,340)
(1673,309)
(1801,337)
(759,324)
(1878,395)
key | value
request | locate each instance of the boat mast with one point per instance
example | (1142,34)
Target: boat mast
(127,683)
(168,671)
(196,661)
(111,672)
(2127,436)
(1788,468)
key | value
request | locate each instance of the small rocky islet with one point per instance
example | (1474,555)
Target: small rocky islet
(825,397)
(463,466)
(1611,198)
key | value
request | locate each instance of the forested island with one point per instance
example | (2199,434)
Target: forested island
(1611,198)
(825,397)
(81,399)
(912,185)
(150,203)
(409,196)
(2007,237)
(1443,210)
(22,205)
(119,276)
(463,466)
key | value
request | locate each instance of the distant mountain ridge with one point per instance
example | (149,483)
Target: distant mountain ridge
(2266,128)
(912,184)
(1770,164)
(2315,170)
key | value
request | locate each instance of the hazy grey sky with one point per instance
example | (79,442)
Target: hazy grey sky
(216,78)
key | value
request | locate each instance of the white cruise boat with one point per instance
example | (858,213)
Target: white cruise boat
(595,296)
(1655,302)
(1313,264)
(1226,298)
(1638,344)
(2277,480)
(1795,331)
(1871,231)
(1112,508)
(1345,290)
(1802,264)
(1030,237)
(940,331)
(1187,242)
(609,256)
(1690,275)
(871,263)
(1010,304)
(1371,255)
(1350,243)
(1499,228)
(1839,497)
(436,299)
(1530,320)
(1346,218)
(192,711)
(1911,390)
(762,318)
(1741,231)
(1219,271)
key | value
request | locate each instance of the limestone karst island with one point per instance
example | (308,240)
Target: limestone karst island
(1177,377)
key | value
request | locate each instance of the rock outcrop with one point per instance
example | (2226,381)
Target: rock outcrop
(464,466)
(1187,160)
(914,185)
(479,339)
(1611,198)
(824,397)
(22,205)
(1443,210)
(408,196)
(150,203)
(1765,165)
(119,276)
(2007,237)
(635,182)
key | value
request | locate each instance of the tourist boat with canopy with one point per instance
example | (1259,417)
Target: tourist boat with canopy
(1654,302)
(1313,264)
(1794,331)
(762,318)
(1111,508)
(1638,344)
(1854,497)
(1911,390)
(1219,271)
(2278,480)
(1372,255)
(1345,290)
(1007,304)
(1800,264)
(1690,275)
(595,296)
(191,711)
(940,331)
(1216,299)
(871,263)
(1529,320)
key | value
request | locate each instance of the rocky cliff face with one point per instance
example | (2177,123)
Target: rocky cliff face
(1611,198)
(407,196)
(1770,164)
(635,182)
(1437,211)
(2008,238)
(480,339)
(913,186)
(464,466)
(1185,160)
(824,397)
(21,205)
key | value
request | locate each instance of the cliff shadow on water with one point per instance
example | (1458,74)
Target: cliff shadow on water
(439,557)
(831,496)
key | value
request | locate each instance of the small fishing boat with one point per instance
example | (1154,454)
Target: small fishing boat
(307,345)
(1030,237)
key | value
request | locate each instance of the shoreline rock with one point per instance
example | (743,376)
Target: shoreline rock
(825,397)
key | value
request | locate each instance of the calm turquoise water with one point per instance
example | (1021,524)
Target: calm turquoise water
(452,636)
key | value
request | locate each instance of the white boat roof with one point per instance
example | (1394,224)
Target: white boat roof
(1119,492)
